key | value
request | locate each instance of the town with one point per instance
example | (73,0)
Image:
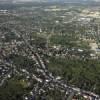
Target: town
(50,52)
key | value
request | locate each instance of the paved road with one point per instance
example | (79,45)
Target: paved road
(49,75)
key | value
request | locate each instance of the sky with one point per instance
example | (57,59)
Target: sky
(57,0)
(45,0)
(41,0)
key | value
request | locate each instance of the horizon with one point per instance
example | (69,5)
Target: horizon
(50,0)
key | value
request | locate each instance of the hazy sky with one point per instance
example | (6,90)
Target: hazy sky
(57,0)
(41,0)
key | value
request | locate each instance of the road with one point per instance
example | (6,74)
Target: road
(48,75)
